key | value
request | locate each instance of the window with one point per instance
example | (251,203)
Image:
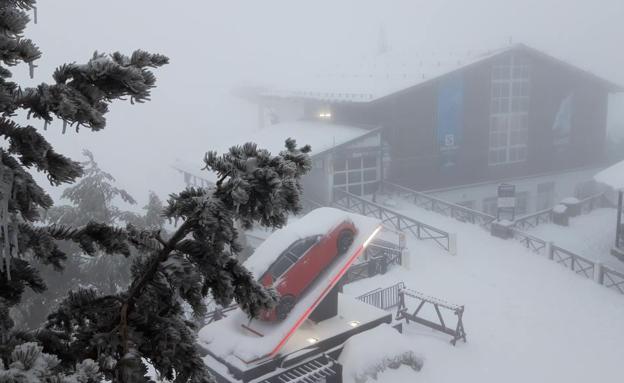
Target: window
(302,246)
(340,179)
(357,175)
(545,197)
(280,266)
(509,108)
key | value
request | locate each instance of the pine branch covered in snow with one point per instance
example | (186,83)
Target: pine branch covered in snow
(80,96)
(147,320)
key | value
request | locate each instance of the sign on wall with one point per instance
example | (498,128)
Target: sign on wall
(450,118)
(506,202)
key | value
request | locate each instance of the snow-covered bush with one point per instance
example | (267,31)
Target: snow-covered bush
(29,364)
(367,354)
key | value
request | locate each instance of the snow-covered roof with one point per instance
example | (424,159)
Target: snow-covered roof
(371,78)
(375,77)
(321,136)
(612,176)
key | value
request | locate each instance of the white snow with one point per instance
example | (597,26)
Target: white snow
(612,176)
(321,136)
(230,341)
(589,235)
(570,201)
(527,319)
(371,352)
(559,209)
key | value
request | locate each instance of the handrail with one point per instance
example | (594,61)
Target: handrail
(450,208)
(422,231)
(525,221)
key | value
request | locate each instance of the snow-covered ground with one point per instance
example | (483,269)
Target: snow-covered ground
(589,235)
(527,319)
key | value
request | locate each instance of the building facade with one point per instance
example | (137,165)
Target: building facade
(514,113)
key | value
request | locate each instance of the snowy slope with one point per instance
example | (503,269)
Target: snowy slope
(527,319)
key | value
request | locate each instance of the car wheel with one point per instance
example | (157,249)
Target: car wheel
(284,306)
(345,240)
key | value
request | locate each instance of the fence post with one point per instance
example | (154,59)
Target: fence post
(599,273)
(572,260)
(550,252)
(452,243)
(405,258)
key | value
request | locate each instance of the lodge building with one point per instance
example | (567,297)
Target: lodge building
(452,125)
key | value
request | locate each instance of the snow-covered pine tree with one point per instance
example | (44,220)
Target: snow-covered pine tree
(79,96)
(92,198)
(146,321)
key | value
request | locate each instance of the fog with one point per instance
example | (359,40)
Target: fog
(217,45)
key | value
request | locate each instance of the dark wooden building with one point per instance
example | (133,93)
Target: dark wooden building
(507,114)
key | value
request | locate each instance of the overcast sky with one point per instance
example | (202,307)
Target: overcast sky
(216,45)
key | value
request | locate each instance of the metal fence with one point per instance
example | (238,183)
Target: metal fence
(422,231)
(449,209)
(384,299)
(320,369)
(379,259)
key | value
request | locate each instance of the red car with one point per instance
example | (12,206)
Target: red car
(301,263)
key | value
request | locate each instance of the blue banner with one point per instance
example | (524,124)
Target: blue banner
(450,117)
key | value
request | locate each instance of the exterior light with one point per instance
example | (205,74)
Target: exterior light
(354,323)
(371,237)
(325,115)
(312,340)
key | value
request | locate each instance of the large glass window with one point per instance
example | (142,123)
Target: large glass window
(509,110)
(357,175)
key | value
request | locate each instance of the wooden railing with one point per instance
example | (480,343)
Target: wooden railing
(574,262)
(582,266)
(535,244)
(397,221)
(429,202)
(404,312)
(611,279)
(593,202)
(530,221)
(587,205)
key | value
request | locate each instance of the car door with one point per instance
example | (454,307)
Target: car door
(299,276)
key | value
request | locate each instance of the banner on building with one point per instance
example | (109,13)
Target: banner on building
(450,118)
(562,124)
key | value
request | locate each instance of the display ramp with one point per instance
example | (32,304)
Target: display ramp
(240,341)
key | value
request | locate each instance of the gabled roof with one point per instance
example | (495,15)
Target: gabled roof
(612,176)
(371,79)
(321,136)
